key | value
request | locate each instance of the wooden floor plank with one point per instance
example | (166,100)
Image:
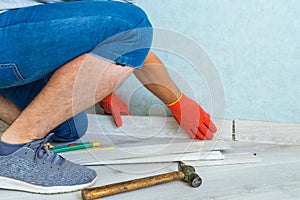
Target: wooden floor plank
(148,126)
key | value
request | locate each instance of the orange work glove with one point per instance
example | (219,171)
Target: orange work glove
(192,118)
(113,105)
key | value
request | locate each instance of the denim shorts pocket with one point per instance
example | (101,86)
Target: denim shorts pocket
(9,75)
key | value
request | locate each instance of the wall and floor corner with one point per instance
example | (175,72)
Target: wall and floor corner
(254,45)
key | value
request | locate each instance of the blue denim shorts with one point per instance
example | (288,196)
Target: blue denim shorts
(37,40)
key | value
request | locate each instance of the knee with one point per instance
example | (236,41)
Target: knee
(72,129)
(128,17)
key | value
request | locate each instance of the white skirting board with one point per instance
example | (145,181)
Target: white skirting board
(268,132)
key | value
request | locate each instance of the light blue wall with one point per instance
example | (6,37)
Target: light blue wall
(255,45)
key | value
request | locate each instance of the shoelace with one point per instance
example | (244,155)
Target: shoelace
(42,151)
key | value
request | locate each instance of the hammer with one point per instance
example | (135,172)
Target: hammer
(185,172)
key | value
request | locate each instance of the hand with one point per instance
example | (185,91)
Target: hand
(192,118)
(113,105)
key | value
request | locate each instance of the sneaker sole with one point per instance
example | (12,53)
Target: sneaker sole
(13,184)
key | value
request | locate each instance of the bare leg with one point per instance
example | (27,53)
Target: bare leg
(156,79)
(73,88)
(8,111)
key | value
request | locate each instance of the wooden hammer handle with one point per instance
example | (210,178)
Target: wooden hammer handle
(116,188)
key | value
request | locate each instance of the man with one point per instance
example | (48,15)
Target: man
(56,61)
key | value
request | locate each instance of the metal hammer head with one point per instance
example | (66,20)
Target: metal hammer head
(190,175)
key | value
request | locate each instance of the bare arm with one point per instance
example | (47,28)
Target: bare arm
(156,79)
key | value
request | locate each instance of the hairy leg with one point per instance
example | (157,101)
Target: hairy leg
(8,111)
(156,79)
(73,88)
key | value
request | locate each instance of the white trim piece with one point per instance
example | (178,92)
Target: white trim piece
(213,155)
(213,158)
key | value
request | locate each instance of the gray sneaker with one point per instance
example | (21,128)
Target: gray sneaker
(34,168)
